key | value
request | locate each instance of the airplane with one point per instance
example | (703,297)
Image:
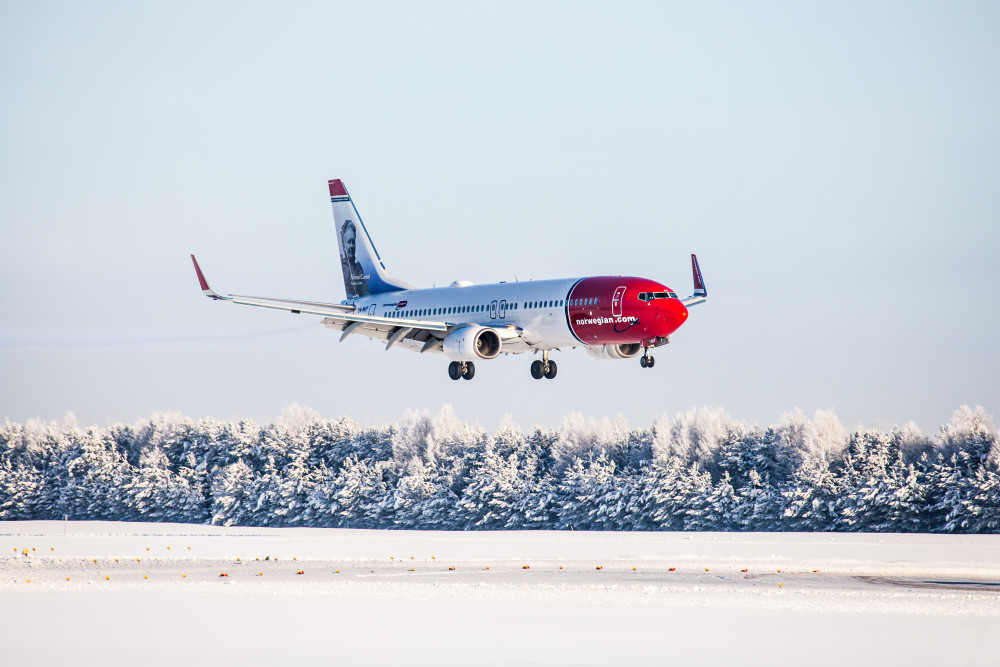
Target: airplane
(612,317)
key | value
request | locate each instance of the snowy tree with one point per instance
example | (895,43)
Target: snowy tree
(694,437)
(982,506)
(155,493)
(759,504)
(422,498)
(233,497)
(589,495)
(880,491)
(487,501)
(20,486)
(362,498)
(970,430)
(585,438)
(714,507)
(749,449)
(699,471)
(812,497)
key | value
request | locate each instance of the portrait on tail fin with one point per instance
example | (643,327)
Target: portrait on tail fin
(355,279)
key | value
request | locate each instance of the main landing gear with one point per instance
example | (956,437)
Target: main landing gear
(645,360)
(543,367)
(461,369)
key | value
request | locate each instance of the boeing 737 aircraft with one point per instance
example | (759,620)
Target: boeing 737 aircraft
(613,317)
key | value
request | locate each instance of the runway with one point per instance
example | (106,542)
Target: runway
(255,596)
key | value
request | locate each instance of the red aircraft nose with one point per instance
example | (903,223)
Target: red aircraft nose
(673,314)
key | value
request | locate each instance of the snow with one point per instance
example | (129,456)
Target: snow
(896,599)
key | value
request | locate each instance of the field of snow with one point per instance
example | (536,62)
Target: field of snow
(132,593)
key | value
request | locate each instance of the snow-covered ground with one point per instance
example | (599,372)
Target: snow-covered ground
(133,593)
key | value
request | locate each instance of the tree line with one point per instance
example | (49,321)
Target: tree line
(700,470)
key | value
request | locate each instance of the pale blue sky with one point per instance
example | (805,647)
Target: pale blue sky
(834,166)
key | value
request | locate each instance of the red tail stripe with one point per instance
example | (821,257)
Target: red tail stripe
(337,188)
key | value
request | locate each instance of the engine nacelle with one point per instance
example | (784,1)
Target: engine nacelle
(472,344)
(619,351)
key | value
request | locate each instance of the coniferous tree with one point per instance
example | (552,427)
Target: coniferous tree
(812,497)
(714,507)
(982,505)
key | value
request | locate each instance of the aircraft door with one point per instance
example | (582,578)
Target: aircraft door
(493,309)
(616,302)
(503,309)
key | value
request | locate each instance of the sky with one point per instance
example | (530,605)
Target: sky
(834,167)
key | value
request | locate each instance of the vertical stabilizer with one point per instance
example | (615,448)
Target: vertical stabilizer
(364,271)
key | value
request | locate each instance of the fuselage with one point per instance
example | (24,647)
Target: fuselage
(550,313)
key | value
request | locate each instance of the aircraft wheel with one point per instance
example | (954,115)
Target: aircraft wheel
(470,371)
(649,364)
(551,371)
(454,370)
(537,369)
(642,361)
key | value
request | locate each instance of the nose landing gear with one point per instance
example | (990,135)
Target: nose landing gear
(543,367)
(645,360)
(461,369)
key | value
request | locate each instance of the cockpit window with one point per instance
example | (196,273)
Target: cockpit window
(650,296)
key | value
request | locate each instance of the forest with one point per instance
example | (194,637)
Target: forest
(698,471)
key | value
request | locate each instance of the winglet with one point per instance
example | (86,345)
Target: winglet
(700,293)
(699,284)
(205,289)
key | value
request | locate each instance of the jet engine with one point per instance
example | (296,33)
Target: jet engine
(619,351)
(472,344)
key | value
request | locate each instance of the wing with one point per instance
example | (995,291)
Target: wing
(419,334)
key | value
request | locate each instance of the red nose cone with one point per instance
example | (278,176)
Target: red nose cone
(674,315)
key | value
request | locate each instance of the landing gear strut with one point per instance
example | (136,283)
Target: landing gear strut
(461,369)
(645,360)
(543,367)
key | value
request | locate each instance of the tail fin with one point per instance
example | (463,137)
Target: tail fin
(364,272)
